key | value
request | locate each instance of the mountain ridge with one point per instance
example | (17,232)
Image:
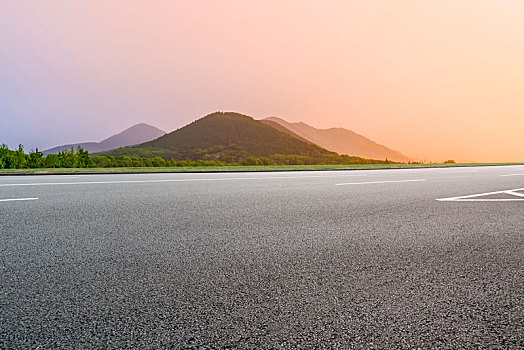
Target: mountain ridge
(342,141)
(134,135)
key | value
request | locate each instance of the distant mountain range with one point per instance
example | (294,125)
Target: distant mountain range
(340,140)
(134,135)
(232,137)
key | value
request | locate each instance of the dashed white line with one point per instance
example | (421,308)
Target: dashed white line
(17,199)
(506,175)
(167,180)
(379,182)
(458,171)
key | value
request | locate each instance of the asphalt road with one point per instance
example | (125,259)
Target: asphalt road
(340,259)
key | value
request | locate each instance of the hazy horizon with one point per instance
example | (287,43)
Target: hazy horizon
(434,79)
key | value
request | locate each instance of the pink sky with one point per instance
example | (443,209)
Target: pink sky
(433,79)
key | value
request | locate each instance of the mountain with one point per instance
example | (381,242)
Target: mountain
(232,137)
(134,135)
(341,140)
(283,129)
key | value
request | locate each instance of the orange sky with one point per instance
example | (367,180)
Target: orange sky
(433,79)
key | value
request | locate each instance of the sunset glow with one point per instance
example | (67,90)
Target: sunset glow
(433,79)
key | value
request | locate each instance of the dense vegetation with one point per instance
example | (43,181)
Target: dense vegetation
(18,159)
(236,139)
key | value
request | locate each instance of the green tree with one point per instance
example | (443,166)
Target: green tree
(66,158)
(82,159)
(50,161)
(7,157)
(20,157)
(35,159)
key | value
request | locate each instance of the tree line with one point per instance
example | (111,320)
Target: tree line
(80,158)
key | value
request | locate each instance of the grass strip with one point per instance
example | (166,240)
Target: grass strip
(231,168)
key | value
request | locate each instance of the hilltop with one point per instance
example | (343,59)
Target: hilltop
(134,135)
(232,137)
(341,140)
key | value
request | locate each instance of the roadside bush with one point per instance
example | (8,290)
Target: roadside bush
(158,162)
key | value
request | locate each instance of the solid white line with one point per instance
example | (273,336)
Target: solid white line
(17,199)
(378,182)
(458,171)
(512,175)
(482,200)
(166,180)
(513,193)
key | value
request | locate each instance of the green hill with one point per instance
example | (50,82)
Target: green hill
(232,137)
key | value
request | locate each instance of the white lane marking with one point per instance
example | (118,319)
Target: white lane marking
(512,175)
(483,200)
(458,171)
(31,177)
(165,180)
(513,193)
(475,197)
(17,199)
(378,182)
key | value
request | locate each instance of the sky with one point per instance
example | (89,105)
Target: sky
(434,79)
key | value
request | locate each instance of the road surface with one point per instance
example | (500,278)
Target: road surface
(411,258)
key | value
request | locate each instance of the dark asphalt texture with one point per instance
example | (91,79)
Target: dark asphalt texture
(263,261)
